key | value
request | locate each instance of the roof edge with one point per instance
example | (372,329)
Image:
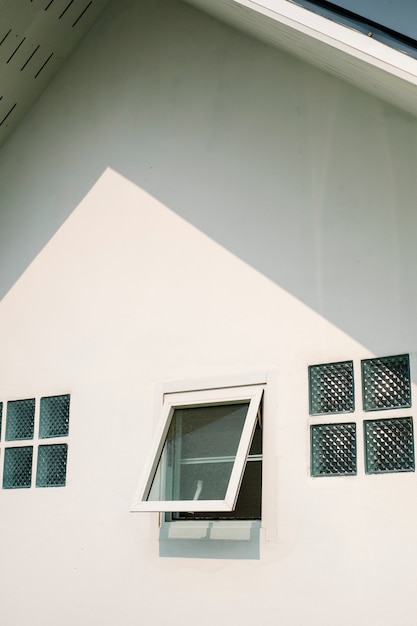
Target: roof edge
(344,52)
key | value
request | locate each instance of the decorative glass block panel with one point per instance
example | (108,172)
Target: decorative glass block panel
(386,383)
(389,445)
(20,419)
(17,472)
(331,388)
(333,449)
(52,465)
(54,416)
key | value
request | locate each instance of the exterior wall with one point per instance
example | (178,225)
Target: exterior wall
(184,202)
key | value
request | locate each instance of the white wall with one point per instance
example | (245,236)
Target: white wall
(184,201)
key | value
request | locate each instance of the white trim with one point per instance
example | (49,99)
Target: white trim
(338,36)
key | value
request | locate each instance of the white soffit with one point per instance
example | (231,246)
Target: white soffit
(36,36)
(342,51)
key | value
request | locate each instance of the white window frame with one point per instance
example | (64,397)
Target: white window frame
(195,396)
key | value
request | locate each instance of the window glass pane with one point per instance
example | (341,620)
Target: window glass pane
(331,388)
(20,419)
(199,452)
(54,416)
(386,383)
(333,449)
(248,505)
(17,472)
(52,465)
(389,445)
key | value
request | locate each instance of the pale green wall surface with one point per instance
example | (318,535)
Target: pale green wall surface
(184,201)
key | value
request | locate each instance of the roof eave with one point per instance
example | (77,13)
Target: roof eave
(348,54)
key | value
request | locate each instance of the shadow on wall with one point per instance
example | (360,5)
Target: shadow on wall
(208,547)
(308,180)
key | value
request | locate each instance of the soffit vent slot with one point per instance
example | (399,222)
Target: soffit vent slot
(82,13)
(66,8)
(5,36)
(44,65)
(30,57)
(35,38)
(15,50)
(7,114)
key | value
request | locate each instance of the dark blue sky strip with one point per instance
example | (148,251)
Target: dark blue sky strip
(391,22)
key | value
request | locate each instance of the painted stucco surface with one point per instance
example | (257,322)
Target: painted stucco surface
(185,202)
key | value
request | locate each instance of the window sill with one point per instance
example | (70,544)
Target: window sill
(226,539)
(231,530)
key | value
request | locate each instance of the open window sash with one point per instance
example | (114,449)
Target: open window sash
(200,449)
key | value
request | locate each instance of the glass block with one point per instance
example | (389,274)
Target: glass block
(52,465)
(20,419)
(17,473)
(54,416)
(389,445)
(331,388)
(386,383)
(333,449)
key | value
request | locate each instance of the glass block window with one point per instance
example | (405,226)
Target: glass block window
(333,449)
(17,472)
(331,388)
(20,419)
(35,440)
(54,416)
(389,445)
(386,383)
(52,465)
